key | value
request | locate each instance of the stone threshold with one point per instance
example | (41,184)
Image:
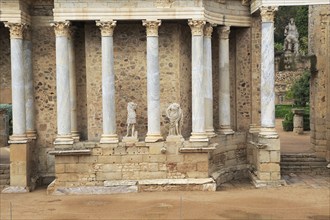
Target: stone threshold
(265,183)
(135,186)
(70,152)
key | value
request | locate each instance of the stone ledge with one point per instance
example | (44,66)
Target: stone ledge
(70,152)
(16,189)
(176,181)
(94,190)
(196,149)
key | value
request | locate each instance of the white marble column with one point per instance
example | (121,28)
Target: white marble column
(108,83)
(153,81)
(73,85)
(18,82)
(64,136)
(267,73)
(29,88)
(198,109)
(208,85)
(224,81)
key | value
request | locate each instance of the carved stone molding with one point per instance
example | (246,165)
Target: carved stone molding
(196,26)
(267,13)
(16,29)
(106,27)
(61,28)
(152,27)
(208,29)
(164,3)
(224,32)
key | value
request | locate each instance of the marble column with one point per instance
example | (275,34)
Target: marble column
(73,85)
(224,81)
(64,136)
(108,83)
(153,81)
(29,88)
(18,82)
(267,73)
(198,109)
(208,85)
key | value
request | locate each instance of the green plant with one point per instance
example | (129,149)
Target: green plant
(300,90)
(287,123)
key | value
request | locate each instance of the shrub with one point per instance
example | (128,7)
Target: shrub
(287,123)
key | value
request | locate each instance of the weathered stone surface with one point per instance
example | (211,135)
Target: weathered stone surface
(95,190)
(15,189)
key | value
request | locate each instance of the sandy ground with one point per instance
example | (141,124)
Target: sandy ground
(239,202)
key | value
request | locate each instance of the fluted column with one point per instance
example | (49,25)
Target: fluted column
(73,85)
(29,89)
(108,83)
(64,136)
(267,73)
(18,82)
(153,81)
(198,109)
(224,81)
(208,85)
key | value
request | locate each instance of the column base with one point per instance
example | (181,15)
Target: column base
(226,129)
(151,138)
(18,139)
(269,133)
(210,133)
(63,139)
(109,139)
(32,135)
(75,136)
(198,137)
(254,128)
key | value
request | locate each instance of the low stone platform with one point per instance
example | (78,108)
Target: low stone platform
(134,186)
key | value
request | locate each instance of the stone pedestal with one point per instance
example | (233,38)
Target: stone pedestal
(108,83)
(153,82)
(267,73)
(224,81)
(198,107)
(298,121)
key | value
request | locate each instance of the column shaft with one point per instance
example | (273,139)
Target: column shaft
(73,87)
(224,81)
(108,83)
(29,89)
(63,84)
(198,94)
(18,82)
(153,82)
(267,74)
(208,85)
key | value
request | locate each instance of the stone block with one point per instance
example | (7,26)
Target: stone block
(272,144)
(264,156)
(152,175)
(232,162)
(203,166)
(66,159)
(275,156)
(18,152)
(18,168)
(96,151)
(108,176)
(109,159)
(67,177)
(264,175)
(59,168)
(186,167)
(77,168)
(197,174)
(87,159)
(154,158)
(174,158)
(275,176)
(195,157)
(132,158)
(18,180)
(155,149)
(108,151)
(112,167)
(268,167)
(152,167)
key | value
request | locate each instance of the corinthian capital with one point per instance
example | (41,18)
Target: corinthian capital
(106,27)
(223,32)
(61,28)
(152,27)
(196,26)
(208,29)
(267,13)
(16,29)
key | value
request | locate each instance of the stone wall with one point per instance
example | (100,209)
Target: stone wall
(5,77)
(319,44)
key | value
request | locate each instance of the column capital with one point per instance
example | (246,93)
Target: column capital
(196,26)
(106,27)
(224,32)
(267,13)
(61,28)
(152,27)
(208,29)
(16,29)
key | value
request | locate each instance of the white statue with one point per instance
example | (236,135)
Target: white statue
(174,113)
(131,120)
(291,42)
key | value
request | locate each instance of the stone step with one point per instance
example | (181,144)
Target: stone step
(4,182)
(301,155)
(4,176)
(304,163)
(302,159)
